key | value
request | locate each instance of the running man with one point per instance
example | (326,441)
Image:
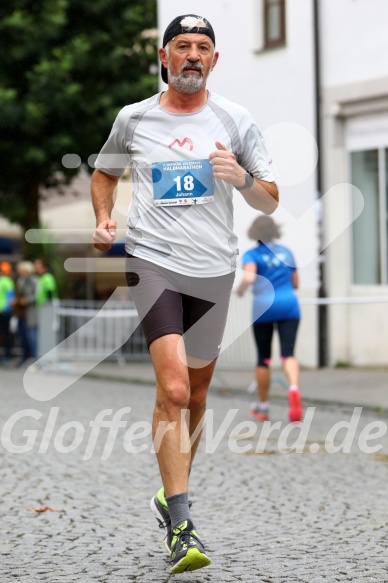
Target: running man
(188,149)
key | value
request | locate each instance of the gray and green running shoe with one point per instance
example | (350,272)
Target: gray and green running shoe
(160,511)
(187,551)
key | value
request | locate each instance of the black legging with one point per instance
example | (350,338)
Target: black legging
(263,332)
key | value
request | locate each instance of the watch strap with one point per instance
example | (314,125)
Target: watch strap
(249,179)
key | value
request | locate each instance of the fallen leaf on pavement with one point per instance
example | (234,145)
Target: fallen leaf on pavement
(43,509)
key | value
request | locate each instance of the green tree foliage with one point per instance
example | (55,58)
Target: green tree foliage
(68,66)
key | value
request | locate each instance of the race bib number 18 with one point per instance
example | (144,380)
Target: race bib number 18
(182,182)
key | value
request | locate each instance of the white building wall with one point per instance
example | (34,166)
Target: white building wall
(354,45)
(277,86)
(354,36)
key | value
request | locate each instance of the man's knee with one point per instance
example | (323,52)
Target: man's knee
(174,396)
(200,379)
(198,396)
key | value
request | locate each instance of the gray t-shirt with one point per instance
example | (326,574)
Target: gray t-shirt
(168,156)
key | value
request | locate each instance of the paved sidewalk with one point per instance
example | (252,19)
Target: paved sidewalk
(353,386)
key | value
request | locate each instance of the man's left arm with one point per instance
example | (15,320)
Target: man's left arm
(259,194)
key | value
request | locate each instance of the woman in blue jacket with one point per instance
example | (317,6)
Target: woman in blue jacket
(270,269)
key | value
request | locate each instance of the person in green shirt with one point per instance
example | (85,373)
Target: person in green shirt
(7,295)
(46,289)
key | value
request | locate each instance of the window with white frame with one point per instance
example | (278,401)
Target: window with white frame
(274,23)
(369,173)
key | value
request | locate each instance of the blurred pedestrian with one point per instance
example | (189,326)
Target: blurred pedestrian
(24,308)
(275,306)
(7,295)
(46,288)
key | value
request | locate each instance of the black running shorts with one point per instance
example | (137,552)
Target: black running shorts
(172,303)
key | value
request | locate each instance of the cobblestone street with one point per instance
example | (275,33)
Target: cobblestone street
(265,514)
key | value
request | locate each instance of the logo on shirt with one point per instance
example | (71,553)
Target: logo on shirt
(182,143)
(272,260)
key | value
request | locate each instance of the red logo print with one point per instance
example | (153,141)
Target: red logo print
(182,143)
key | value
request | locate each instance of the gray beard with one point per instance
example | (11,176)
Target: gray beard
(188,84)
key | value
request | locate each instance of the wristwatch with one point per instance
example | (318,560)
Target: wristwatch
(249,179)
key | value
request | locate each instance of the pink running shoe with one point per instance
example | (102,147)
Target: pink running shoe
(295,412)
(260,414)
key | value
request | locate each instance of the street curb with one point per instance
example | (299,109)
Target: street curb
(227,391)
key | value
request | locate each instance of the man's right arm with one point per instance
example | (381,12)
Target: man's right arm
(103,187)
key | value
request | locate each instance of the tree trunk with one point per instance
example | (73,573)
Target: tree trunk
(30,218)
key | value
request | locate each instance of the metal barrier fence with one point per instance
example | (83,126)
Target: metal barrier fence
(109,330)
(83,330)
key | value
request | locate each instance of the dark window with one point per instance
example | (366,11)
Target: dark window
(274,23)
(369,173)
(366,228)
